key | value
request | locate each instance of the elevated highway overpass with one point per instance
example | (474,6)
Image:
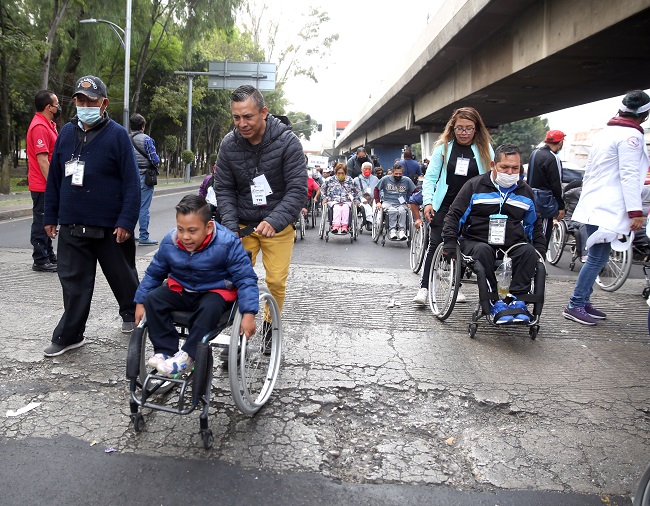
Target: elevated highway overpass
(510,59)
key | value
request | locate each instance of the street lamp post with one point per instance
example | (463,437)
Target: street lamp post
(125,40)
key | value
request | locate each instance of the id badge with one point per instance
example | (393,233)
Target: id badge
(462,166)
(259,195)
(497,229)
(401,200)
(263,182)
(70,167)
(78,175)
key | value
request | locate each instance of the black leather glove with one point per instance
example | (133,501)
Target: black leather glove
(449,250)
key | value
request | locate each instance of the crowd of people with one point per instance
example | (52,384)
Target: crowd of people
(473,197)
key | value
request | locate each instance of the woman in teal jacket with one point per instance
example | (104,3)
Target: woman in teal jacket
(462,152)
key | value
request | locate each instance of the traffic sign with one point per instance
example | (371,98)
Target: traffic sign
(229,75)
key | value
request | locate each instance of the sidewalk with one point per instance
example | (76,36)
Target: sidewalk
(19,205)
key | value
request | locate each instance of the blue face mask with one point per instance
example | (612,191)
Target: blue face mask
(89,115)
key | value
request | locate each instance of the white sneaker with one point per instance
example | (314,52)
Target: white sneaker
(157,359)
(421,298)
(401,235)
(392,234)
(461,297)
(179,364)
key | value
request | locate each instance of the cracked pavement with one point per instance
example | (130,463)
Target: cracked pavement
(366,393)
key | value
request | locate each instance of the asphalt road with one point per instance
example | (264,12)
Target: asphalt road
(309,251)
(374,405)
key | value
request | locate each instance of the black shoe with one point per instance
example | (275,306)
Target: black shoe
(127,327)
(53,259)
(54,349)
(267,331)
(224,354)
(46,267)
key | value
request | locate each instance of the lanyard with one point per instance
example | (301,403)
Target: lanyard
(502,196)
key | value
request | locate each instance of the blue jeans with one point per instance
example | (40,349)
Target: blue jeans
(598,256)
(145,201)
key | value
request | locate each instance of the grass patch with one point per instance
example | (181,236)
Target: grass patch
(18,184)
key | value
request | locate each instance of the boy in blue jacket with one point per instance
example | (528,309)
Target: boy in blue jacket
(206,268)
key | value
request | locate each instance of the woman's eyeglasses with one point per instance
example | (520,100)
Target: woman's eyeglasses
(460,130)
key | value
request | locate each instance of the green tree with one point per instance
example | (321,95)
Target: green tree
(303,124)
(525,133)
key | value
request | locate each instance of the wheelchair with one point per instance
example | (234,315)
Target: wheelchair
(642,496)
(617,270)
(562,236)
(299,227)
(314,209)
(419,243)
(444,283)
(251,373)
(326,223)
(380,226)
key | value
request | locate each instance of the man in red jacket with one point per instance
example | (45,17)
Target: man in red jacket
(41,136)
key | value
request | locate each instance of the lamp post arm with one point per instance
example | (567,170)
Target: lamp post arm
(119,31)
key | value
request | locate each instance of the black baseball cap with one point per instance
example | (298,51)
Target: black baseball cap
(91,86)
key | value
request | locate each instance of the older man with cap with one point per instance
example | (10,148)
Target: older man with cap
(545,177)
(93,198)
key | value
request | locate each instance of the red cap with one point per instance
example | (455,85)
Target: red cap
(554,136)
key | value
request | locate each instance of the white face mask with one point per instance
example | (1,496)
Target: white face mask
(506,180)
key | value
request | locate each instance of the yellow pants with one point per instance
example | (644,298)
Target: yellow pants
(276,257)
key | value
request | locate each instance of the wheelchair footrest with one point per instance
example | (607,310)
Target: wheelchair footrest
(152,382)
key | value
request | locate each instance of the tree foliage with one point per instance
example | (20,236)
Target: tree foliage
(525,133)
(43,45)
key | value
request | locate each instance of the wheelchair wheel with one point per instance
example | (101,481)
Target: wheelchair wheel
(642,496)
(557,242)
(323,222)
(253,379)
(302,227)
(419,245)
(354,224)
(616,270)
(358,229)
(444,282)
(377,224)
(146,351)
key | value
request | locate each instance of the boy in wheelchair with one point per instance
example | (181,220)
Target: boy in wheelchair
(493,212)
(206,268)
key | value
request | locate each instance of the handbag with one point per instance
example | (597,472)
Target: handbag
(545,202)
(151,177)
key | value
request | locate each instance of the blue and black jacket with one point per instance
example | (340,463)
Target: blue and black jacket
(479,198)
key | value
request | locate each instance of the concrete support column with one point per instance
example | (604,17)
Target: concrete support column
(427,141)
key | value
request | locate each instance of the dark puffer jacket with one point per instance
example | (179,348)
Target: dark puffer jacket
(280,158)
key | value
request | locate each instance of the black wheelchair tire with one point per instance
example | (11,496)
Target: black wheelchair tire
(134,352)
(202,366)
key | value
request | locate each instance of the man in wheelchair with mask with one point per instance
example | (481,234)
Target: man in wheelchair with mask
(492,213)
